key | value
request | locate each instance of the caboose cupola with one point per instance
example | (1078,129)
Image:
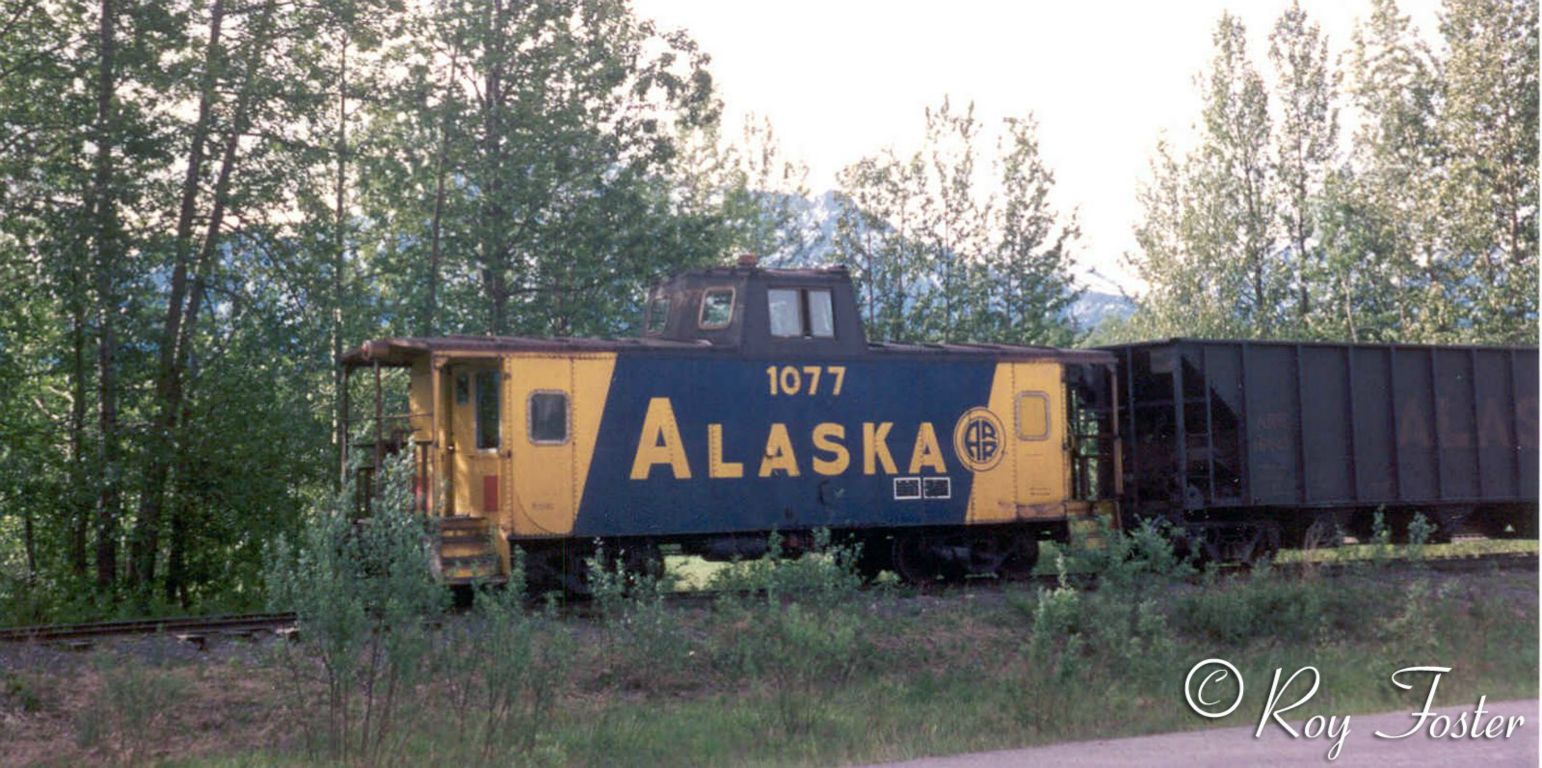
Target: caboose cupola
(804,312)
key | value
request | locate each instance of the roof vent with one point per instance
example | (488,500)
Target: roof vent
(748,260)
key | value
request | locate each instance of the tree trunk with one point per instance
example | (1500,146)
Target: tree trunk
(168,384)
(105,225)
(79,497)
(431,311)
(220,200)
(494,247)
(339,264)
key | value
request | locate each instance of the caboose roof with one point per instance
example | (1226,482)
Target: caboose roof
(748,335)
(402,351)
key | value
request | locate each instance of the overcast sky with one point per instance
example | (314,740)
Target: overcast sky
(841,79)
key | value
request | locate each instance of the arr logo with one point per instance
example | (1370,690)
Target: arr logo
(978,439)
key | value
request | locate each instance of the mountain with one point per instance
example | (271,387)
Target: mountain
(814,246)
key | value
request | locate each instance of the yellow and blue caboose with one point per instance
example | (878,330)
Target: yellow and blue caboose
(751,403)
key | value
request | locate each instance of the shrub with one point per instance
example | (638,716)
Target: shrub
(503,669)
(1381,540)
(1266,606)
(130,712)
(645,644)
(804,637)
(1420,529)
(361,593)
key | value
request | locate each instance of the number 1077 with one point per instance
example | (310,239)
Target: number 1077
(792,380)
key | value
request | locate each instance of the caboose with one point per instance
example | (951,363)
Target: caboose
(752,402)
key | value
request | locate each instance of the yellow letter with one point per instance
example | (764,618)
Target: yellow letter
(779,453)
(875,449)
(716,467)
(927,453)
(659,442)
(826,438)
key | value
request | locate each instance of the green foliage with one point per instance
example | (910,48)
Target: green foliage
(361,592)
(1381,540)
(1120,621)
(265,186)
(1420,529)
(1266,229)
(131,711)
(805,637)
(503,669)
(936,258)
(1266,607)
(645,645)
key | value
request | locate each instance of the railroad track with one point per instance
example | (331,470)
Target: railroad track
(199,629)
(193,628)
(1502,561)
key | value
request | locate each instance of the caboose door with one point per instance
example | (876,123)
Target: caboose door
(1039,439)
(476,438)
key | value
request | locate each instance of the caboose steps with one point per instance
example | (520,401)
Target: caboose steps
(467,551)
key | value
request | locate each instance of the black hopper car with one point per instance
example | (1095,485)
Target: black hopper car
(1248,446)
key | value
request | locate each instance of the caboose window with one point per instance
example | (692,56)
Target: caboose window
(549,417)
(717,308)
(801,313)
(821,316)
(786,314)
(658,315)
(487,410)
(1032,416)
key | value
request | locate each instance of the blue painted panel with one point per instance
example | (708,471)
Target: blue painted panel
(736,393)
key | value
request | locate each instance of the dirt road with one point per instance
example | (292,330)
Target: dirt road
(1237,747)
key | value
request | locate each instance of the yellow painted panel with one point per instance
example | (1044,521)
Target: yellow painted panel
(548,479)
(991,496)
(420,400)
(591,386)
(1034,471)
(1040,442)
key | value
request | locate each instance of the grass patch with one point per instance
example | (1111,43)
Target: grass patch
(793,665)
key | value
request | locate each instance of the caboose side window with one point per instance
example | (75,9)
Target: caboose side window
(487,410)
(658,315)
(801,313)
(1032,416)
(717,308)
(821,315)
(786,314)
(549,417)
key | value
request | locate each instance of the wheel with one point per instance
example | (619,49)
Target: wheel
(1022,556)
(877,556)
(988,552)
(915,562)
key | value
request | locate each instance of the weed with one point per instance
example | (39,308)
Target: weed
(645,644)
(804,638)
(21,691)
(131,711)
(1420,529)
(1381,540)
(1268,607)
